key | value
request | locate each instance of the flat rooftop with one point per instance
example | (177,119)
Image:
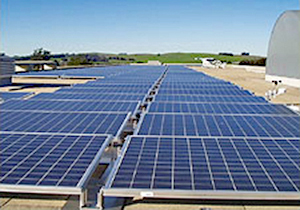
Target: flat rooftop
(253,81)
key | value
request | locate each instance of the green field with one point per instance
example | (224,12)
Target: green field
(186,57)
(119,59)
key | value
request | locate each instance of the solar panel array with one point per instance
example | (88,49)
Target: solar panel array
(62,122)
(219,108)
(4,96)
(220,125)
(205,91)
(235,164)
(47,160)
(105,90)
(107,72)
(70,106)
(199,136)
(204,136)
(57,139)
(89,97)
(208,99)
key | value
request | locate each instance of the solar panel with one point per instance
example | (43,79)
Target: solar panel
(220,125)
(207,167)
(217,108)
(58,161)
(96,71)
(89,97)
(103,90)
(199,85)
(220,92)
(206,138)
(62,122)
(111,85)
(139,80)
(11,95)
(195,78)
(69,106)
(204,87)
(107,72)
(209,98)
(201,138)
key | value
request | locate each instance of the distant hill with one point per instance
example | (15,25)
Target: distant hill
(188,57)
(124,58)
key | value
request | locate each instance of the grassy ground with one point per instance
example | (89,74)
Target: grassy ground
(116,59)
(187,57)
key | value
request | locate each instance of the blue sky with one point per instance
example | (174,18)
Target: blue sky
(139,26)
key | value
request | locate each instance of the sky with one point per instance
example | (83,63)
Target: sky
(139,26)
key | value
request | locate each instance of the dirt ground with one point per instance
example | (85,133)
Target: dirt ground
(255,82)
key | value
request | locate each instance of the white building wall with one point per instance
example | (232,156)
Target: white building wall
(283,62)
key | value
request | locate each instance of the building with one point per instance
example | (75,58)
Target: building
(154,63)
(283,63)
(7,69)
(34,65)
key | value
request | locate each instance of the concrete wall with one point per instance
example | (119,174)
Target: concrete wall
(284,48)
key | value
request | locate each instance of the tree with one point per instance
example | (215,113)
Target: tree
(40,54)
(254,62)
(78,60)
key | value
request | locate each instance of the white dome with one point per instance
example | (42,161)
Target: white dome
(284,47)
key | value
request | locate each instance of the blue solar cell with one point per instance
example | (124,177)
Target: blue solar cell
(219,92)
(105,90)
(68,106)
(230,164)
(216,108)
(209,99)
(222,125)
(49,169)
(108,71)
(12,95)
(199,85)
(102,84)
(92,123)
(89,97)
